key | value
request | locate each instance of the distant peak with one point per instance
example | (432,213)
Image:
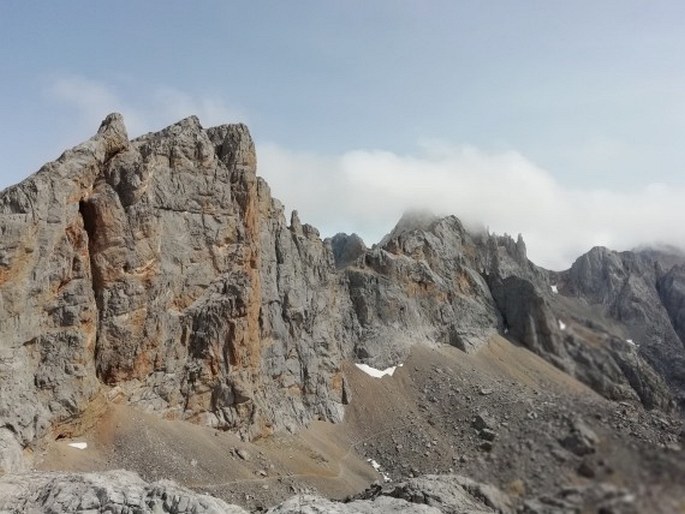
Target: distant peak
(419,219)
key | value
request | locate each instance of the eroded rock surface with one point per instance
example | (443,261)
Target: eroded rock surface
(111,492)
(161,272)
(642,294)
(430,494)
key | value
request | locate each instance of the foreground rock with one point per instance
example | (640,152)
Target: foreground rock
(112,492)
(454,494)
(449,494)
(125,492)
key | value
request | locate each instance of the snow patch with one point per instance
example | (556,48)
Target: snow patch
(377,373)
(79,446)
(555,289)
(377,467)
(562,325)
(632,343)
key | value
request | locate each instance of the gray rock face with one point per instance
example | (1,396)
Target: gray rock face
(48,313)
(430,279)
(594,355)
(644,293)
(671,288)
(125,492)
(304,321)
(421,284)
(595,497)
(160,271)
(111,492)
(346,249)
(580,440)
(308,504)
(559,327)
(11,458)
(453,494)
(448,494)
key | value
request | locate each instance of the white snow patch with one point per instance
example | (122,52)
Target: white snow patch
(377,373)
(632,343)
(378,469)
(80,446)
(562,325)
(555,289)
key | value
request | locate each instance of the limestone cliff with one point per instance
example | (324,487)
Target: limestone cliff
(160,271)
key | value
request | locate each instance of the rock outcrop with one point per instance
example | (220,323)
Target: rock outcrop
(430,494)
(421,283)
(108,492)
(48,311)
(125,492)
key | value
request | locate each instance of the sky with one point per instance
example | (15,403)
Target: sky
(563,121)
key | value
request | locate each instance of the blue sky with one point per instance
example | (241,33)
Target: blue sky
(561,120)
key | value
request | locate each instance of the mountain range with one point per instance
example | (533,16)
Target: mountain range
(156,305)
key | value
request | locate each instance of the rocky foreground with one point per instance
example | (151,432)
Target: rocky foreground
(160,274)
(123,492)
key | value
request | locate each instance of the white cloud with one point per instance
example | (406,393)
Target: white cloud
(366,191)
(176,104)
(144,108)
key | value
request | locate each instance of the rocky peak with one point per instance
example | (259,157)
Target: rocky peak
(346,249)
(411,221)
(113,131)
(234,146)
(136,270)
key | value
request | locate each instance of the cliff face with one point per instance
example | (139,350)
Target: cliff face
(49,317)
(644,293)
(161,272)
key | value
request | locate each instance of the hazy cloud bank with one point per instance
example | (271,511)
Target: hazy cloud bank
(366,191)
(151,108)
